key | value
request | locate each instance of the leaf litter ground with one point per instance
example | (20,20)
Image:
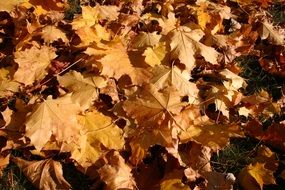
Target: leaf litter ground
(105,94)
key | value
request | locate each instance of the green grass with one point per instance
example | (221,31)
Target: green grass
(14,179)
(238,154)
(258,79)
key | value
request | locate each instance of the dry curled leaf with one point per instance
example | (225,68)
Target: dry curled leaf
(44,174)
(117,174)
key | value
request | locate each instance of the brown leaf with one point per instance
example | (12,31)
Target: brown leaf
(44,174)
(151,106)
(117,174)
(254,176)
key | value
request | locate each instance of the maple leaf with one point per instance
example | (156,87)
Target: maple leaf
(84,89)
(196,156)
(111,90)
(254,176)
(220,180)
(115,61)
(173,76)
(97,130)
(173,180)
(236,82)
(151,106)
(9,6)
(168,24)
(96,33)
(272,135)
(107,12)
(144,39)
(265,155)
(117,174)
(4,161)
(51,33)
(7,86)
(215,136)
(155,55)
(33,63)
(44,174)
(55,117)
(184,44)
(267,31)
(91,15)
(88,18)
(147,138)
(203,16)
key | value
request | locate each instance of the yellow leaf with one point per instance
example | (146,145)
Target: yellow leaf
(4,161)
(112,52)
(166,76)
(173,180)
(144,39)
(51,33)
(168,24)
(203,16)
(88,35)
(8,6)
(236,82)
(84,89)
(185,44)
(88,18)
(55,117)
(33,63)
(152,106)
(7,86)
(97,130)
(254,176)
(155,55)
(91,15)
(44,174)
(214,136)
(146,139)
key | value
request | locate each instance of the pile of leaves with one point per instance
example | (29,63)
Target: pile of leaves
(141,94)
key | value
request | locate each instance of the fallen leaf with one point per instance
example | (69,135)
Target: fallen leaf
(155,55)
(219,181)
(173,76)
(143,40)
(4,161)
(267,31)
(10,5)
(84,88)
(254,176)
(44,174)
(215,136)
(51,33)
(52,118)
(184,44)
(152,106)
(112,52)
(173,180)
(97,130)
(33,63)
(117,174)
